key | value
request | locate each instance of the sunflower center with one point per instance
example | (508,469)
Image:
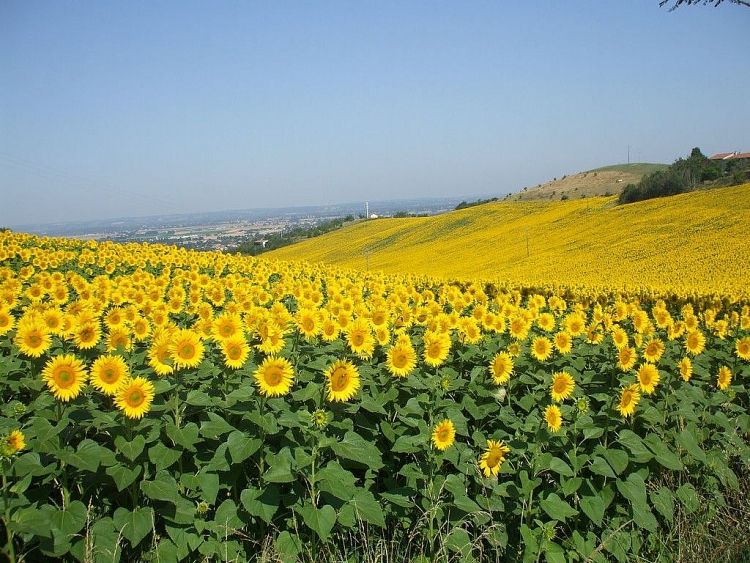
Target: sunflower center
(400,360)
(434,350)
(135,398)
(627,398)
(309,325)
(234,352)
(493,458)
(339,380)
(34,340)
(273,377)
(110,375)
(358,339)
(444,435)
(187,351)
(560,386)
(64,378)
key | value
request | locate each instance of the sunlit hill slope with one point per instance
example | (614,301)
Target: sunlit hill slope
(693,243)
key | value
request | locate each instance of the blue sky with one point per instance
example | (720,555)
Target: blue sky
(112,109)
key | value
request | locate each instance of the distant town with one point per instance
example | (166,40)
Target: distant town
(229,231)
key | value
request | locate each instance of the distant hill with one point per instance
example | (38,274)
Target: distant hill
(691,242)
(605,181)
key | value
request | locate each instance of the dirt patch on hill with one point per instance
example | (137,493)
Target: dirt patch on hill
(577,186)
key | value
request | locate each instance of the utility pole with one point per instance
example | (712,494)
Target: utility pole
(527,242)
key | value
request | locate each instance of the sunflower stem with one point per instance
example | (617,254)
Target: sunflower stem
(10,548)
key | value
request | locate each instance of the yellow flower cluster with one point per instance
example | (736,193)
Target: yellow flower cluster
(83,308)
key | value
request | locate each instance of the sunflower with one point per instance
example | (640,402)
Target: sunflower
(330,330)
(274,376)
(553,417)
(519,327)
(343,380)
(108,373)
(53,318)
(309,322)
(686,368)
(401,359)
(87,335)
(493,457)
(626,358)
(186,349)
(724,378)
(226,326)
(65,376)
(32,338)
(562,387)
(575,324)
(653,350)
(501,368)
(7,321)
(541,348)
(742,346)
(158,354)
(443,435)
(272,338)
(563,342)
(546,321)
(628,400)
(359,337)
(12,443)
(695,342)
(235,350)
(119,338)
(648,378)
(134,397)
(437,345)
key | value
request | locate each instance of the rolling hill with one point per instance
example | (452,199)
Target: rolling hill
(605,181)
(687,243)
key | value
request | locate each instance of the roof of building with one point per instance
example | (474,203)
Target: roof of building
(730,155)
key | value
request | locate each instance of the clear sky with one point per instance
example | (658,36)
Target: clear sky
(112,109)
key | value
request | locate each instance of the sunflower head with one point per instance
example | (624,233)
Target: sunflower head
(443,435)
(343,380)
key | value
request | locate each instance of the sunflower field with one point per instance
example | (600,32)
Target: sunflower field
(160,404)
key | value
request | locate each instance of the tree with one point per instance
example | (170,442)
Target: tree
(715,3)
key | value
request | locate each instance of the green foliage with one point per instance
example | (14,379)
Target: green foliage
(682,176)
(290,236)
(465,204)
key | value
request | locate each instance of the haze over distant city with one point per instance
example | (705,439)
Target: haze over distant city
(128,109)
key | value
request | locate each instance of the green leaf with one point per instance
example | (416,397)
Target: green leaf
(631,440)
(634,489)
(186,436)
(408,444)
(557,508)
(31,520)
(319,520)
(355,448)
(593,507)
(688,497)
(337,481)
(185,541)
(601,467)
(209,483)
(134,525)
(555,464)
(459,541)
(554,553)
(241,447)
(215,427)
(466,504)
(688,440)
(279,467)
(226,518)
(617,459)
(368,508)
(130,449)
(123,476)
(163,456)
(261,503)
(71,520)
(664,455)
(663,501)
(400,496)
(288,547)
(164,487)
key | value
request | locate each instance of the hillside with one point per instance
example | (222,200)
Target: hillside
(691,242)
(605,181)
